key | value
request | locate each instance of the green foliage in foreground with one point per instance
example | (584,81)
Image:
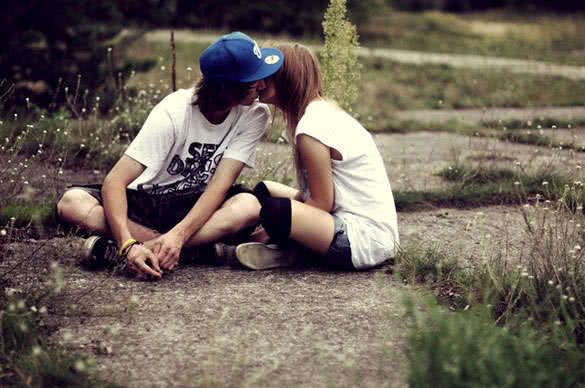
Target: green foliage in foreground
(522,319)
(25,359)
(467,349)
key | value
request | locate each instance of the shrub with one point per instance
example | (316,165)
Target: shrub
(338,56)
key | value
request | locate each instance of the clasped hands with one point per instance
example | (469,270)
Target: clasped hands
(162,252)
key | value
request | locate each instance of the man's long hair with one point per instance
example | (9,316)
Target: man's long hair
(217,95)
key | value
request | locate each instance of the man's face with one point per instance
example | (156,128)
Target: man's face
(253,89)
(267,92)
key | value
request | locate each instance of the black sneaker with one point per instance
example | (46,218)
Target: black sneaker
(212,254)
(226,254)
(100,252)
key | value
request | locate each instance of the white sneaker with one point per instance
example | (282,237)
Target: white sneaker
(258,256)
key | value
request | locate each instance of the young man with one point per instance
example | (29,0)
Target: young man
(174,186)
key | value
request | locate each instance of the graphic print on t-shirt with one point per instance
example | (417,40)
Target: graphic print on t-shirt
(192,173)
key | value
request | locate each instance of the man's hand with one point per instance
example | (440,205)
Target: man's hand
(138,256)
(168,249)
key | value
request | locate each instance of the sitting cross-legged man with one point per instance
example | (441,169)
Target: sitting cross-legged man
(174,187)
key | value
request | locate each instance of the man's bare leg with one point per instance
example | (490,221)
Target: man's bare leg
(237,213)
(78,207)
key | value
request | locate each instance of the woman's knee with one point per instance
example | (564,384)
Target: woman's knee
(276,218)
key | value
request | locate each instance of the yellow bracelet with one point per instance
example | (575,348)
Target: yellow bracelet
(126,245)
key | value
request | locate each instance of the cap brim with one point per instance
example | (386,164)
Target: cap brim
(272,59)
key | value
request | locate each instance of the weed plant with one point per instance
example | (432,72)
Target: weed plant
(520,317)
(548,284)
(511,185)
(338,56)
(526,324)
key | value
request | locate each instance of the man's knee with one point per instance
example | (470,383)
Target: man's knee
(74,205)
(244,210)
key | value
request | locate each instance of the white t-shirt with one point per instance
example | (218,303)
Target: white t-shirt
(363,196)
(181,149)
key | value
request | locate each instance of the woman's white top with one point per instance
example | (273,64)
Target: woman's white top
(363,196)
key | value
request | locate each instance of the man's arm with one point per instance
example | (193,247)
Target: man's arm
(116,211)
(172,242)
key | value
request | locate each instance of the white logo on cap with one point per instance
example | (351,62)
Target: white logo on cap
(257,51)
(272,59)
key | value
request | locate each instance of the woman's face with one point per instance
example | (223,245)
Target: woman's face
(267,91)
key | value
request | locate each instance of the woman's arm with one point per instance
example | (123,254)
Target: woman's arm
(316,159)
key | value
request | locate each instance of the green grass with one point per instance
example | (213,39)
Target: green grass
(519,320)
(537,123)
(406,126)
(505,33)
(467,349)
(483,186)
(187,64)
(391,86)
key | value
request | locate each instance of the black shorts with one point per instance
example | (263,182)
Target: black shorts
(160,213)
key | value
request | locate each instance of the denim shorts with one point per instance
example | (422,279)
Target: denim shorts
(339,252)
(157,212)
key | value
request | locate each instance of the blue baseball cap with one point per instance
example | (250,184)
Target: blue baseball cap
(237,57)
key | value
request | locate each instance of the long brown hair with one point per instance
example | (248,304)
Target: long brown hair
(297,83)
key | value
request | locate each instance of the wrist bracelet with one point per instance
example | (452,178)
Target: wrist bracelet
(124,249)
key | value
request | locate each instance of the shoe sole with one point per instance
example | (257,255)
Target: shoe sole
(87,248)
(259,256)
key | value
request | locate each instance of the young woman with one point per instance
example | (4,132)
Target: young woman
(344,210)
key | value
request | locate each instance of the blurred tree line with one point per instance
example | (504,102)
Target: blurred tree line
(56,51)
(59,51)
(474,5)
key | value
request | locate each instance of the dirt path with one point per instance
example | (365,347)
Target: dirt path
(474,116)
(221,326)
